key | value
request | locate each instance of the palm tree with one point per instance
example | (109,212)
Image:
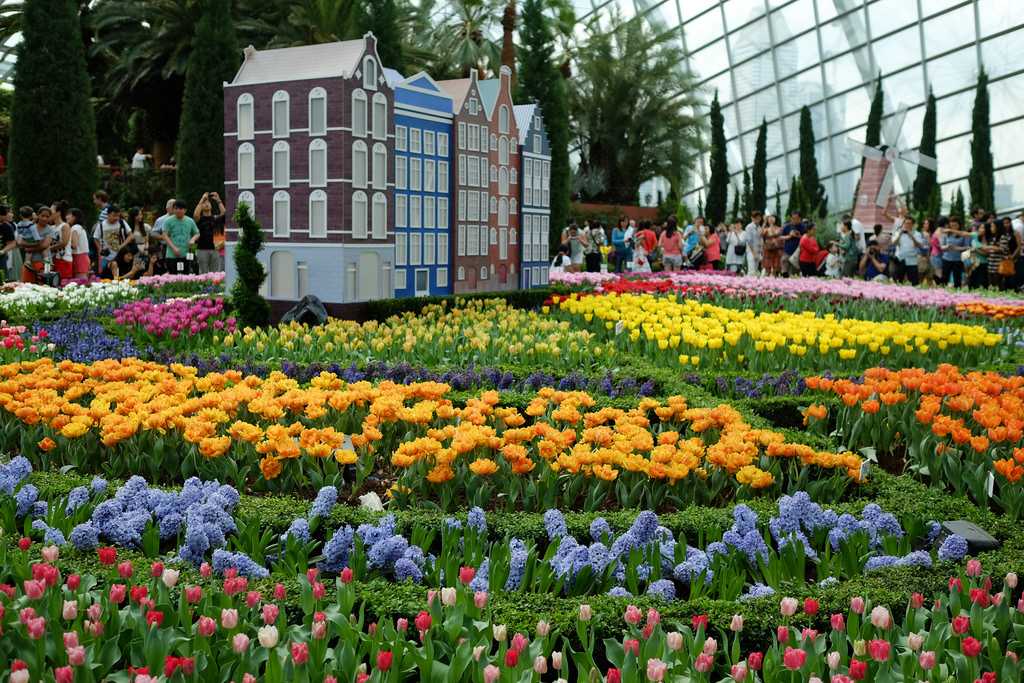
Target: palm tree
(463,38)
(304,22)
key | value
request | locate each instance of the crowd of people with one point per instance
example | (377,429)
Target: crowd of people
(54,244)
(985,252)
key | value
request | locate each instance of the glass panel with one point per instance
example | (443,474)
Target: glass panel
(710,60)
(755,108)
(997,15)
(845,186)
(751,41)
(1007,144)
(897,51)
(954,158)
(1009,188)
(826,10)
(803,89)
(1002,55)
(793,19)
(692,8)
(930,7)
(776,169)
(906,87)
(795,54)
(845,156)
(888,15)
(953,71)
(839,35)
(953,114)
(849,109)
(843,72)
(703,29)
(1006,98)
(948,31)
(723,84)
(740,12)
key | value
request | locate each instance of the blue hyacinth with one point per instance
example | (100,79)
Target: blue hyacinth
(337,550)
(620,592)
(758,590)
(953,549)
(98,486)
(12,474)
(554,524)
(516,564)
(298,530)
(50,534)
(481,580)
(326,498)
(224,560)
(477,520)
(406,569)
(599,529)
(662,588)
(78,497)
(85,536)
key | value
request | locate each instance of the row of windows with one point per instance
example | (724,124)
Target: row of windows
(421,174)
(535,277)
(421,212)
(422,279)
(473,137)
(535,237)
(418,140)
(421,249)
(474,206)
(472,171)
(536,182)
(475,240)
(282,214)
(281,114)
(281,166)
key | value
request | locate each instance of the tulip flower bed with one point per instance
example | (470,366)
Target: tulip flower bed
(803,289)
(183,323)
(963,431)
(276,435)
(691,333)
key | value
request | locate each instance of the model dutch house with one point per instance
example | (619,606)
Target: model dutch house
(534,195)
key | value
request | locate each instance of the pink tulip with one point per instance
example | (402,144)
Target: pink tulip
(240,643)
(229,618)
(76,655)
(703,664)
(738,672)
(70,610)
(206,626)
(480,599)
(633,615)
(491,673)
(788,606)
(927,660)
(857,605)
(70,639)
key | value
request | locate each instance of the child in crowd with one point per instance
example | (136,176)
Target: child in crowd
(833,262)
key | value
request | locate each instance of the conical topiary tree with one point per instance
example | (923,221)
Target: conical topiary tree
(52,152)
(718,184)
(981,179)
(214,59)
(252,309)
(814,197)
(759,175)
(746,206)
(924,182)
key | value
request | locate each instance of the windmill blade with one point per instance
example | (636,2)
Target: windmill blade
(864,150)
(894,125)
(886,188)
(918,159)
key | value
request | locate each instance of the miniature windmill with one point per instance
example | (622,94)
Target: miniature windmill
(879,173)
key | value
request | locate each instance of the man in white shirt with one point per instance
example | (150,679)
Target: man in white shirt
(755,243)
(858,230)
(140,158)
(158,224)
(908,244)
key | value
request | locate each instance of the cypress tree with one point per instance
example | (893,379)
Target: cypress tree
(213,60)
(253,310)
(981,179)
(814,197)
(759,179)
(778,202)
(956,207)
(797,198)
(700,208)
(924,182)
(541,81)
(747,207)
(380,17)
(52,152)
(718,184)
(873,136)
(736,208)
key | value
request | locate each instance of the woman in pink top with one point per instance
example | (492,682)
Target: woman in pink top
(712,248)
(671,243)
(934,233)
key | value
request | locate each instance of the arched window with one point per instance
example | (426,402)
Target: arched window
(460,273)
(494,142)
(483,272)
(318,163)
(358,113)
(359,215)
(283,276)
(244,117)
(380,116)
(512,206)
(282,214)
(503,119)
(282,164)
(512,176)
(317,111)
(249,200)
(513,236)
(494,204)
(246,166)
(503,150)
(502,211)
(493,237)
(281,127)
(318,214)
(359,164)
(369,73)
(380,216)
(380,166)
(494,173)
(503,180)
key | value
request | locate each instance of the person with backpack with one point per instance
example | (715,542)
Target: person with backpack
(849,248)
(109,236)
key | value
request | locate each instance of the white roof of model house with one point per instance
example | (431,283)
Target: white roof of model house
(326,60)
(524,113)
